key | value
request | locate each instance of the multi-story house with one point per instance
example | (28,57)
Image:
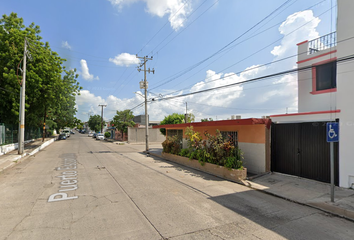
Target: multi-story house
(325,94)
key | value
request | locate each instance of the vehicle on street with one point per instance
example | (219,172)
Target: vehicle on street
(72,132)
(100,136)
(66,132)
(90,134)
(94,135)
(62,136)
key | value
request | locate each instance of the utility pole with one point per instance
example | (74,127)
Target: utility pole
(144,84)
(101,105)
(21,130)
(186,116)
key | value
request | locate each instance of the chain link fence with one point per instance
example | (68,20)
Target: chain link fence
(9,133)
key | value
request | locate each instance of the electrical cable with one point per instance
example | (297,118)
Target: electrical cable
(164,26)
(347,58)
(234,40)
(183,28)
(249,57)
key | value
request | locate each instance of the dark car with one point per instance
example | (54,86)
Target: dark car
(72,132)
(62,136)
(94,135)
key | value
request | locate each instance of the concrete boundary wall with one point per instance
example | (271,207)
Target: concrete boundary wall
(254,156)
(137,135)
(10,147)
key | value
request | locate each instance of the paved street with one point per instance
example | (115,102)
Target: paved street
(81,188)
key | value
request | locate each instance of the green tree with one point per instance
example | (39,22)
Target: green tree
(206,120)
(50,89)
(190,118)
(122,120)
(95,123)
(174,118)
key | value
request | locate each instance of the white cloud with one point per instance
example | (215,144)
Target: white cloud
(177,10)
(65,45)
(296,21)
(266,97)
(85,71)
(88,103)
(125,59)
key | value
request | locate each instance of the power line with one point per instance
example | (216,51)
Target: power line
(163,26)
(253,55)
(348,58)
(185,27)
(223,48)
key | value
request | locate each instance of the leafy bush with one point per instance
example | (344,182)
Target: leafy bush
(107,134)
(212,149)
(172,145)
(184,152)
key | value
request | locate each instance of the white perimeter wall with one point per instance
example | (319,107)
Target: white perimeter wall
(345,92)
(254,156)
(137,135)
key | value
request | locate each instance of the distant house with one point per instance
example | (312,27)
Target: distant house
(251,136)
(325,94)
(140,119)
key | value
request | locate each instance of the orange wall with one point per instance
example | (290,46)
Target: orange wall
(245,133)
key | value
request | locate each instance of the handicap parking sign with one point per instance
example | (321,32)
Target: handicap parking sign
(332,132)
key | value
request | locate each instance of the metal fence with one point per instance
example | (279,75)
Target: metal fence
(9,133)
(2,134)
(322,43)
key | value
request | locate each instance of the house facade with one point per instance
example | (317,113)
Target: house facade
(325,94)
(251,135)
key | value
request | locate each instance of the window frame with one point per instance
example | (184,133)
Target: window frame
(314,78)
(235,133)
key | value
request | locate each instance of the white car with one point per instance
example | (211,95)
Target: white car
(100,136)
(90,134)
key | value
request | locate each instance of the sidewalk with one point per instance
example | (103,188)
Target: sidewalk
(300,190)
(12,158)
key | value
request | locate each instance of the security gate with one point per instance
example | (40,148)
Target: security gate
(301,149)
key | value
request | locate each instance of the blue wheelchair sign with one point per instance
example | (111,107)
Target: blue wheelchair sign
(332,132)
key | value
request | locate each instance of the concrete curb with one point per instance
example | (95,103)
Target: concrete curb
(18,159)
(325,207)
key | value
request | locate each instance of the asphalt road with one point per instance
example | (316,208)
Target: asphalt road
(81,188)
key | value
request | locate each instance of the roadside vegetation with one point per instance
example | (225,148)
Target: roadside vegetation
(211,149)
(50,87)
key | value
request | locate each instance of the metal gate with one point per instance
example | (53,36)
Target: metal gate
(301,149)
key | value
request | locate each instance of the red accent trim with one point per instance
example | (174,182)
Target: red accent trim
(302,42)
(248,121)
(324,91)
(306,113)
(314,74)
(309,59)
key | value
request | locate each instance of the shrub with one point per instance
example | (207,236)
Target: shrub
(172,145)
(107,134)
(213,149)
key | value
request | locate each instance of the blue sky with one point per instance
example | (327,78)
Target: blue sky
(100,38)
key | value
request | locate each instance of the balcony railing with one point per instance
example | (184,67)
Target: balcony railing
(322,43)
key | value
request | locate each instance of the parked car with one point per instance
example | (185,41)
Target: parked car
(62,136)
(94,135)
(90,134)
(100,136)
(72,132)
(66,132)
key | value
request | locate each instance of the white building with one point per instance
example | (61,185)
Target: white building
(325,93)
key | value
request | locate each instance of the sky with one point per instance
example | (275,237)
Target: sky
(195,45)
